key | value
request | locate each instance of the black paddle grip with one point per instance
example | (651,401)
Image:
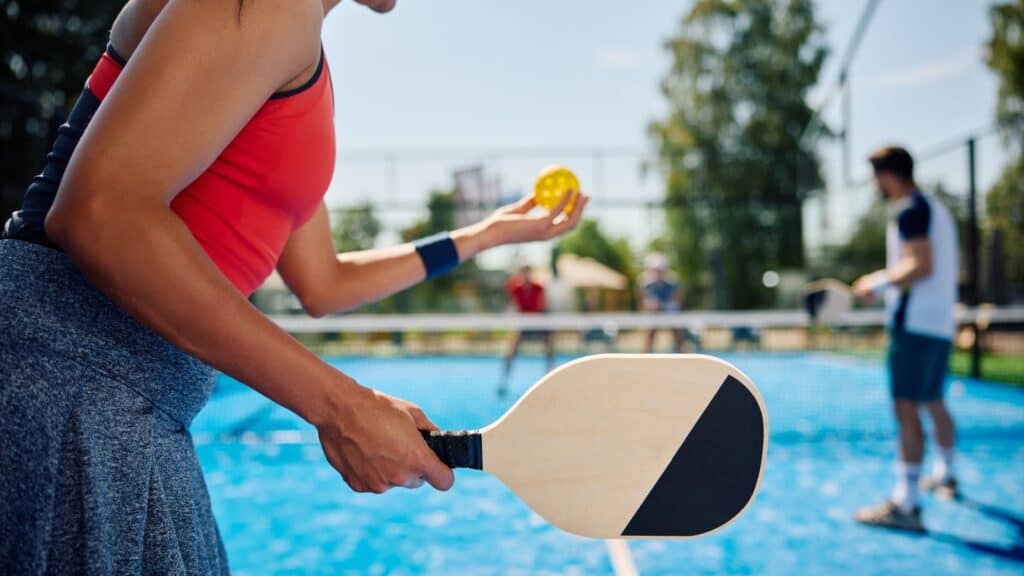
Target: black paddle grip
(457,449)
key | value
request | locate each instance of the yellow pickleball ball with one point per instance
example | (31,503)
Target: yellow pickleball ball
(552,184)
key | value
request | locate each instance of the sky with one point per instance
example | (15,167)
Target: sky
(441,84)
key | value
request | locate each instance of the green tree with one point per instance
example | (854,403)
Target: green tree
(440,216)
(589,241)
(730,146)
(355,228)
(1006,58)
(865,249)
(48,49)
(1005,201)
(1005,211)
(439,294)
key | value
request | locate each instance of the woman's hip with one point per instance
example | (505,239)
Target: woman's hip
(58,331)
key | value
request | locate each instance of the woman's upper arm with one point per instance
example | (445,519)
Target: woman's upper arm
(309,260)
(199,75)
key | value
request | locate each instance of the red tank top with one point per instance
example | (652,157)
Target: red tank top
(266,183)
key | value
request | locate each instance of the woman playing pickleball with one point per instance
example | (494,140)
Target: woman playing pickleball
(193,164)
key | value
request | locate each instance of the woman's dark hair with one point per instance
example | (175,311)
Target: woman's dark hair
(894,160)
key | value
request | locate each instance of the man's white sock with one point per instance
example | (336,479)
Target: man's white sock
(943,469)
(905,493)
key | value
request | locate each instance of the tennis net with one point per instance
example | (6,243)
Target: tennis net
(819,382)
(1001,331)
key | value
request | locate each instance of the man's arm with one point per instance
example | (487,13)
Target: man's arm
(676,297)
(915,260)
(915,264)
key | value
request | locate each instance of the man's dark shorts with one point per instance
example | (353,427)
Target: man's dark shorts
(917,366)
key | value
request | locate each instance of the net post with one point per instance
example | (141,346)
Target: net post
(973,253)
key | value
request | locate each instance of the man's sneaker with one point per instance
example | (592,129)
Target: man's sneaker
(889,515)
(945,488)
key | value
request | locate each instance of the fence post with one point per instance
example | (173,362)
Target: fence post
(973,254)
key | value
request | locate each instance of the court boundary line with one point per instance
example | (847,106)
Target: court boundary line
(621,558)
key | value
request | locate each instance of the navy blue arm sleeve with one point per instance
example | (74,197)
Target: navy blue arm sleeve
(913,220)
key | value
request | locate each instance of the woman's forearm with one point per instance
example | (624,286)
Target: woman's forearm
(369,275)
(145,259)
(326,282)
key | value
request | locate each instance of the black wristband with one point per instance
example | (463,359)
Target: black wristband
(438,254)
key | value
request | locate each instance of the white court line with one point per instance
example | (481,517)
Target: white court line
(621,557)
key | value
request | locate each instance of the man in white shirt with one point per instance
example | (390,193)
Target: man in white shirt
(919,284)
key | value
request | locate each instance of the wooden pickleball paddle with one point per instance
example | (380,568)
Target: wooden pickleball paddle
(626,445)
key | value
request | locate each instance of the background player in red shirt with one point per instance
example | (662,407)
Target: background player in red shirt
(528,297)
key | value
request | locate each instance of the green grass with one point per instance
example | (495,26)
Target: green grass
(1009,369)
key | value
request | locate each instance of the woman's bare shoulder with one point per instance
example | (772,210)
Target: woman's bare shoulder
(291,25)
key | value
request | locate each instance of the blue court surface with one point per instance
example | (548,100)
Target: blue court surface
(282,509)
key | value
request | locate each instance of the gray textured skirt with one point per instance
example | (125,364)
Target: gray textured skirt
(98,474)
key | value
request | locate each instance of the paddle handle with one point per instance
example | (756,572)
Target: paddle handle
(457,449)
